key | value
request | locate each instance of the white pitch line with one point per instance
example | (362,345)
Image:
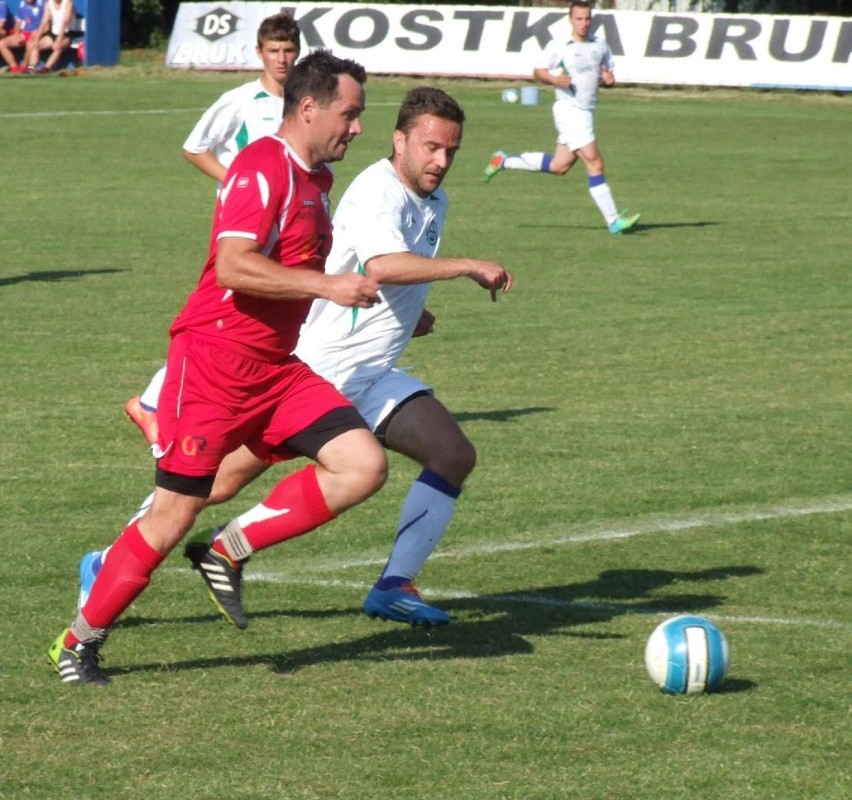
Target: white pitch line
(539,600)
(114,113)
(657,524)
(120,112)
(650,525)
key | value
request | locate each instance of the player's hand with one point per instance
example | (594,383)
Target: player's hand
(607,77)
(354,291)
(493,277)
(563,81)
(425,325)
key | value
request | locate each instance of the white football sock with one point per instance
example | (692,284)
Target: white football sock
(531,162)
(146,504)
(150,397)
(603,200)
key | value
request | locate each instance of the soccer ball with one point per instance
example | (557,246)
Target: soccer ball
(511,96)
(687,655)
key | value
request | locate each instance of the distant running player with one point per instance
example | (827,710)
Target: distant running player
(575,68)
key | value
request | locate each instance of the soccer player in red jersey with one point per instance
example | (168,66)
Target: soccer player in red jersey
(232,379)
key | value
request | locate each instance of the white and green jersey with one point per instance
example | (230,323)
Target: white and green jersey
(582,61)
(377,215)
(239,116)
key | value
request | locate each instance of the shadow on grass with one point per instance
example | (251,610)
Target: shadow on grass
(735,686)
(505,415)
(54,276)
(488,626)
(642,227)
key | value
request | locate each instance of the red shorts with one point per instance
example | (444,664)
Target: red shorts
(215,400)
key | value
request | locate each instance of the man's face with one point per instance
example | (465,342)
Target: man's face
(581,21)
(424,155)
(277,59)
(338,123)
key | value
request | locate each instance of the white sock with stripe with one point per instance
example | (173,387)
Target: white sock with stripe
(530,162)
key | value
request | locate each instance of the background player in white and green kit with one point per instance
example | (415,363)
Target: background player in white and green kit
(250,111)
(576,69)
(237,118)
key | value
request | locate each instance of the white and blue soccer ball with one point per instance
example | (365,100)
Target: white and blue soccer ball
(687,655)
(511,95)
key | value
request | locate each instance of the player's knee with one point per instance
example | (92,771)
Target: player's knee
(454,462)
(222,491)
(371,474)
(466,458)
(163,529)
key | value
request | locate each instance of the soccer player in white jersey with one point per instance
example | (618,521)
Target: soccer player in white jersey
(250,111)
(388,225)
(237,118)
(575,68)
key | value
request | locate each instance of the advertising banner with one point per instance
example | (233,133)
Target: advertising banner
(504,42)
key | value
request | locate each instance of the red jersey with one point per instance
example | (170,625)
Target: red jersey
(271,196)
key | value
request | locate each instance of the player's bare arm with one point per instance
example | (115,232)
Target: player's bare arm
(561,81)
(406,268)
(351,290)
(241,267)
(207,163)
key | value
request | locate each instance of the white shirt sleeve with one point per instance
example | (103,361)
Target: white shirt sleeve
(373,220)
(551,56)
(217,125)
(608,60)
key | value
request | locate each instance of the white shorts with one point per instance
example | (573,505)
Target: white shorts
(575,127)
(375,398)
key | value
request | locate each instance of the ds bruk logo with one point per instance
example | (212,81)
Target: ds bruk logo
(216,24)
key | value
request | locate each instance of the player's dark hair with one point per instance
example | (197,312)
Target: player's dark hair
(427,100)
(317,75)
(578,4)
(279,27)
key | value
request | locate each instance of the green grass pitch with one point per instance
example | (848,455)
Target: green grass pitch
(663,426)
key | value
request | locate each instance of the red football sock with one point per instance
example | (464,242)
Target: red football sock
(295,506)
(122,578)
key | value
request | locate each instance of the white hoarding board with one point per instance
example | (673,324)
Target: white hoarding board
(504,42)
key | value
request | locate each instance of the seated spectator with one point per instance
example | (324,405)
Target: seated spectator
(7,21)
(53,34)
(19,37)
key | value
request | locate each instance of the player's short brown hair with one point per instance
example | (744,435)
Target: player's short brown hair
(317,75)
(279,27)
(427,100)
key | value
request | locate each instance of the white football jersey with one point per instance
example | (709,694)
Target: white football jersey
(377,215)
(582,61)
(238,117)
